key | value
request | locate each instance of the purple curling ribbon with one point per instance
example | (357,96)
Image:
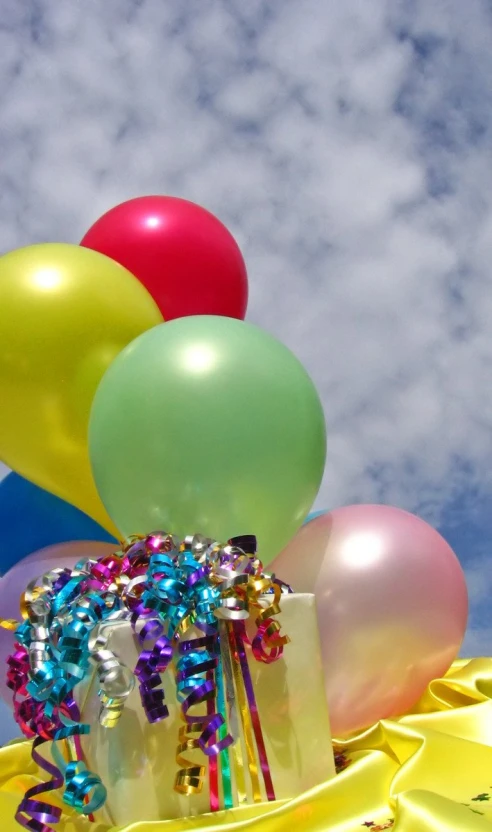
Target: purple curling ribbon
(151,663)
(238,632)
(34,814)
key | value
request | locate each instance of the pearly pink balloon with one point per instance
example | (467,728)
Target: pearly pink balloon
(15,581)
(392,607)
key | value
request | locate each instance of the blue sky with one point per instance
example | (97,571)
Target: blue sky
(348,147)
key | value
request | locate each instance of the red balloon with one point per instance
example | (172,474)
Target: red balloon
(183,255)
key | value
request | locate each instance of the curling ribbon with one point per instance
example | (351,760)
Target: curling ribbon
(186,601)
(51,657)
(32,813)
(196,587)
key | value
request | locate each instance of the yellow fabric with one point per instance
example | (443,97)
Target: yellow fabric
(428,771)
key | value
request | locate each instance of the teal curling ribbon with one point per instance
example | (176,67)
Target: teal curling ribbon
(79,782)
(179,590)
(63,610)
(179,596)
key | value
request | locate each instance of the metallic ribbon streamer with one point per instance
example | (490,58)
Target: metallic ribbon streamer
(32,813)
(195,682)
(186,600)
(116,681)
(213,763)
(232,712)
(224,759)
(253,710)
(245,715)
(151,664)
(59,610)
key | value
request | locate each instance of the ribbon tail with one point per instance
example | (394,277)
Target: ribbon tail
(238,629)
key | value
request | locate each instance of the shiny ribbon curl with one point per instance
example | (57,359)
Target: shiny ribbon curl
(176,594)
(196,685)
(195,587)
(151,664)
(179,592)
(115,680)
(32,813)
(51,657)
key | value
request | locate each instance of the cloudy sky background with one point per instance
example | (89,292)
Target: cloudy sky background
(348,147)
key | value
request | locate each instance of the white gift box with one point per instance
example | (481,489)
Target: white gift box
(136,760)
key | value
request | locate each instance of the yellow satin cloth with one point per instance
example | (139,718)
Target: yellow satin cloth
(428,771)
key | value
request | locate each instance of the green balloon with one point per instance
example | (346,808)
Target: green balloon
(208,425)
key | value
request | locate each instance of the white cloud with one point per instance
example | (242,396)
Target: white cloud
(477,642)
(347,145)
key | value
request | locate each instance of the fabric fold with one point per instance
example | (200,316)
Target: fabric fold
(427,771)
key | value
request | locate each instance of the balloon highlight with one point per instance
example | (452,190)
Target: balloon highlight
(65,313)
(183,255)
(392,607)
(208,423)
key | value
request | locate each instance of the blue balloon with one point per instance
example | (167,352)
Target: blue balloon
(31,518)
(314,514)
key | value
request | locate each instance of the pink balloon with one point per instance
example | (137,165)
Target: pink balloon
(15,581)
(392,607)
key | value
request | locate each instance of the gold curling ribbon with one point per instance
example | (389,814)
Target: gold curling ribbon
(9,624)
(271,637)
(189,779)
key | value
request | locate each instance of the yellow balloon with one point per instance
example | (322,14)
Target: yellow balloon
(65,313)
